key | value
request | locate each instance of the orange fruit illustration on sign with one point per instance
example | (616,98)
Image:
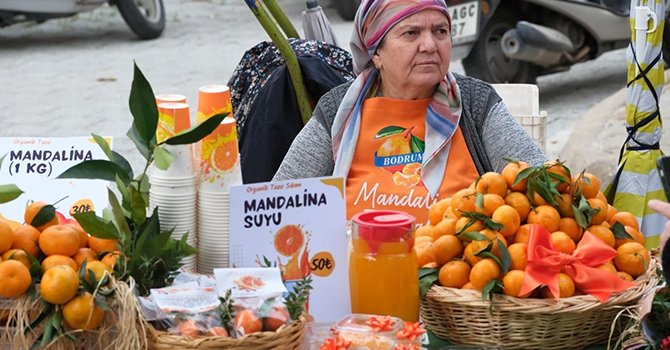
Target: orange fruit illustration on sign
(289,239)
(401,154)
(224,157)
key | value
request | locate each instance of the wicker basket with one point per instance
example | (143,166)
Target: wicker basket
(461,317)
(287,337)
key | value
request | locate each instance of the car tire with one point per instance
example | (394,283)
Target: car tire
(486,60)
(146,18)
(347,8)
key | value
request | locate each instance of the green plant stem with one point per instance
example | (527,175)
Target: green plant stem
(291,61)
(283,21)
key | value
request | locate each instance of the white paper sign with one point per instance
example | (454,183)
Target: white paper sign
(33,163)
(300,227)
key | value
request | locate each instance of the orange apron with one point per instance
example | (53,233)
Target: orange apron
(385,172)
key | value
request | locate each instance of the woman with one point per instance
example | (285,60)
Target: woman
(406,132)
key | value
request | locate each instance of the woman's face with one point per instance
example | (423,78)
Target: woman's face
(414,55)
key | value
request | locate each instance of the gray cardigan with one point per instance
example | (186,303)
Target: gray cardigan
(490,133)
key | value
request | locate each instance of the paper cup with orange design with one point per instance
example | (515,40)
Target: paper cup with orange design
(212,100)
(220,158)
(173,117)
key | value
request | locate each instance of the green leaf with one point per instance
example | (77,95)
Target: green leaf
(479,200)
(150,229)
(144,149)
(198,132)
(487,291)
(47,309)
(579,217)
(620,231)
(96,226)
(426,279)
(104,146)
(96,169)
(472,235)
(47,335)
(35,268)
(389,130)
(9,193)
(489,255)
(46,214)
(416,145)
(505,258)
(119,217)
(138,207)
(143,107)
(123,163)
(523,174)
(162,158)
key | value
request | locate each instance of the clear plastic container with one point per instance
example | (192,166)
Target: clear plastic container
(356,328)
(383,268)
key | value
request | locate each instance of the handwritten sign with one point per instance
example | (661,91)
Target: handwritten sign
(33,163)
(298,226)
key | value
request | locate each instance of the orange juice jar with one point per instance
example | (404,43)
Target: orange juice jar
(383,269)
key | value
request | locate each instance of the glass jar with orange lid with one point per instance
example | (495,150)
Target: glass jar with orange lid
(383,268)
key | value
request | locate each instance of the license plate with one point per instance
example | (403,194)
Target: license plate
(464,21)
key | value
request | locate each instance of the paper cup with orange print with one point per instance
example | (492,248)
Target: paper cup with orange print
(173,118)
(212,100)
(170,98)
(220,158)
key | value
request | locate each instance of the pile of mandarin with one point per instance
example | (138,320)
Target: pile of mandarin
(52,256)
(471,233)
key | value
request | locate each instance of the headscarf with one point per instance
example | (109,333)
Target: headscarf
(373,20)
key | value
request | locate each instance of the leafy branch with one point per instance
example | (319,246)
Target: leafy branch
(147,254)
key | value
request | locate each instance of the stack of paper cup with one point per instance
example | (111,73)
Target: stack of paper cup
(173,190)
(220,168)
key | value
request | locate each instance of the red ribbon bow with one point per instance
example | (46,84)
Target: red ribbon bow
(544,264)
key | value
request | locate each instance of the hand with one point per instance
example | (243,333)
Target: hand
(662,208)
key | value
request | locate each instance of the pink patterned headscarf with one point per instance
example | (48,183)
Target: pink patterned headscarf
(376,17)
(373,20)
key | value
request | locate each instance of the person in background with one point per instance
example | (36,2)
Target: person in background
(406,132)
(662,208)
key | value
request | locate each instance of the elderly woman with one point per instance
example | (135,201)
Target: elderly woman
(406,132)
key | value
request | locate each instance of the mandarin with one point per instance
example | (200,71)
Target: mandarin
(83,312)
(436,211)
(84,254)
(512,283)
(626,219)
(18,255)
(566,288)
(83,236)
(59,239)
(510,173)
(15,278)
(446,248)
(572,228)
(27,237)
(59,284)
(564,206)
(518,255)
(55,260)
(632,258)
(489,203)
(484,272)
(31,211)
(601,215)
(588,183)
(546,216)
(509,218)
(562,242)
(520,203)
(604,233)
(470,256)
(444,227)
(463,200)
(6,236)
(101,245)
(492,182)
(561,175)
(454,274)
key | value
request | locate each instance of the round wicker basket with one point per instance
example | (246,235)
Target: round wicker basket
(462,317)
(287,337)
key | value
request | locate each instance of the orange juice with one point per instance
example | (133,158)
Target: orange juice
(383,268)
